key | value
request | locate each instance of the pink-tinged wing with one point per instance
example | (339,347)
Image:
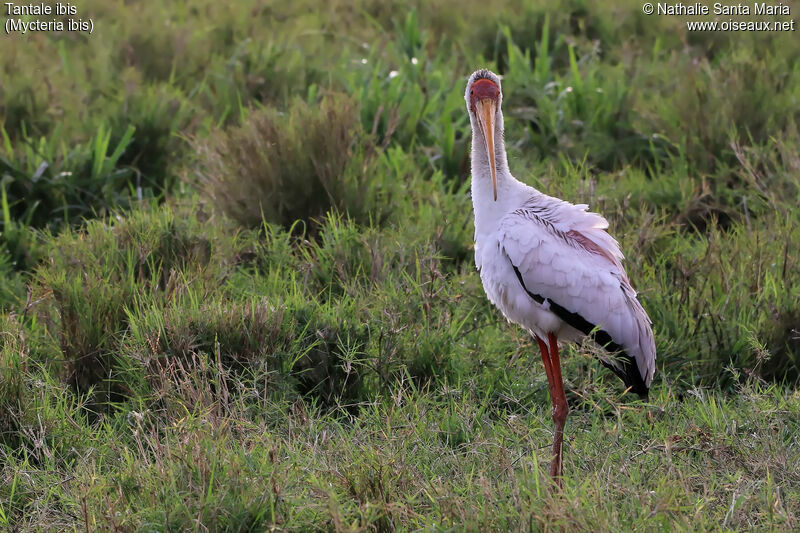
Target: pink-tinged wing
(564,254)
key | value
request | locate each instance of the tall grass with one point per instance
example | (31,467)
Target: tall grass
(282,167)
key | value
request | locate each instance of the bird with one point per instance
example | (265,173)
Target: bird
(550,266)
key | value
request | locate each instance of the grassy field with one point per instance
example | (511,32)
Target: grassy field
(237,290)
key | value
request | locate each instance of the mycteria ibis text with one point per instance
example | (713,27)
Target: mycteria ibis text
(20,20)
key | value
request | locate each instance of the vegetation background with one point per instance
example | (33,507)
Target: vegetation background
(237,289)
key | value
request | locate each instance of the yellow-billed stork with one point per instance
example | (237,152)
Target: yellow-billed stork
(549,265)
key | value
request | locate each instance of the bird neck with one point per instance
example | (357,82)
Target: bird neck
(488,212)
(480,157)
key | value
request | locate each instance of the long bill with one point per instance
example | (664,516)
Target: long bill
(486,112)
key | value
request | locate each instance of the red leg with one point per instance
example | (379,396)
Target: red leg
(560,409)
(548,368)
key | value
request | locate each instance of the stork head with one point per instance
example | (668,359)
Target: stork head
(483,97)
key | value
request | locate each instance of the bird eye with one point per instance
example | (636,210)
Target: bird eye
(471,91)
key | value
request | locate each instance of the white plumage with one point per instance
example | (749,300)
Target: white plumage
(549,265)
(538,237)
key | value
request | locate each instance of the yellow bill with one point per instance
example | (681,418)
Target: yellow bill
(486,111)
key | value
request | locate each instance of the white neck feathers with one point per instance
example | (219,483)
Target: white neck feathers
(488,212)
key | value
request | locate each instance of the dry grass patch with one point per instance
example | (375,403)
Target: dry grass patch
(287,166)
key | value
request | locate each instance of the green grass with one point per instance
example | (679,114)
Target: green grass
(237,289)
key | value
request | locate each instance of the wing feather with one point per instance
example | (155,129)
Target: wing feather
(576,264)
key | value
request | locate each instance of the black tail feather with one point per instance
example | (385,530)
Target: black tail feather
(628,371)
(626,367)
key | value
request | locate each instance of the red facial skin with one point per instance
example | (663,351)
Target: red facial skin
(483,89)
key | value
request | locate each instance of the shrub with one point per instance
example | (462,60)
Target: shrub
(95,277)
(295,346)
(283,167)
